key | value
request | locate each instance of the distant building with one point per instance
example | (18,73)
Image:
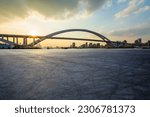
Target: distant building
(98,45)
(73,45)
(83,46)
(90,45)
(125,43)
(138,42)
(118,44)
(94,45)
(86,45)
(148,43)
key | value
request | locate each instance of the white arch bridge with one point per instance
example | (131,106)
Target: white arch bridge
(37,39)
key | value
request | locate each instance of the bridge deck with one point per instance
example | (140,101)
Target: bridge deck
(20,36)
(61,38)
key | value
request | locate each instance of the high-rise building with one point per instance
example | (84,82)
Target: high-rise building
(148,42)
(73,45)
(90,45)
(86,45)
(138,42)
(98,45)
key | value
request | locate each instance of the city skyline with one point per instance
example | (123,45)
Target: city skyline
(116,19)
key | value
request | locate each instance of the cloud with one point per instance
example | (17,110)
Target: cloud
(93,5)
(145,8)
(134,6)
(139,30)
(109,3)
(56,9)
(121,1)
(12,9)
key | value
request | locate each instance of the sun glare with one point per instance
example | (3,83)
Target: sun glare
(33,33)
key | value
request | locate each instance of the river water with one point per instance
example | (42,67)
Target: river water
(75,74)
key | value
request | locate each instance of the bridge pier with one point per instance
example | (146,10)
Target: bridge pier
(17,40)
(7,38)
(13,39)
(25,41)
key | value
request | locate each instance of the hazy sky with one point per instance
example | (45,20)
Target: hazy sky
(116,19)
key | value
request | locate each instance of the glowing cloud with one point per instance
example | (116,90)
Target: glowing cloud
(56,9)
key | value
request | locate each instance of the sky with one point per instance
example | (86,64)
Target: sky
(116,19)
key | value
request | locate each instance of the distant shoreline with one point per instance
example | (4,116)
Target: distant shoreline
(65,48)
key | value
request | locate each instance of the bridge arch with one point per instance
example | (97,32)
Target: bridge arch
(105,39)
